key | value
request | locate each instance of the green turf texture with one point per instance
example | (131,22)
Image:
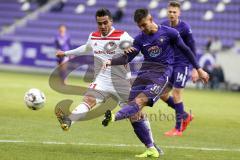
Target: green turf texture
(216,126)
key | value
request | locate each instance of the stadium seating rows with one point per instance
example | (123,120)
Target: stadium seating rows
(225,25)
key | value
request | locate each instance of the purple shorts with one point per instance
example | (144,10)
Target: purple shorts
(180,76)
(152,84)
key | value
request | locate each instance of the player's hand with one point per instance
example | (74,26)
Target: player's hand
(106,64)
(195,75)
(204,76)
(60,54)
(129,50)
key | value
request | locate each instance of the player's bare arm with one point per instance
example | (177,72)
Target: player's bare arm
(194,75)
(204,76)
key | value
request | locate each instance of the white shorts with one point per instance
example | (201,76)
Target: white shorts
(102,88)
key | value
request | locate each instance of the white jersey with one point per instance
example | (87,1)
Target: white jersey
(107,47)
(112,80)
(104,48)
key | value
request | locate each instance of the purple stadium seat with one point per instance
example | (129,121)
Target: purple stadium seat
(224,25)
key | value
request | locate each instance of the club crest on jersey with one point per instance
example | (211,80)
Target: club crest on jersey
(111,45)
(154,51)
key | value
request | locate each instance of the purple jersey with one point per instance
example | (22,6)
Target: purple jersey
(62,42)
(158,52)
(185,32)
(158,48)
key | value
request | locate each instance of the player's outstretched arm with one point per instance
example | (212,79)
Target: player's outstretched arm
(84,49)
(121,60)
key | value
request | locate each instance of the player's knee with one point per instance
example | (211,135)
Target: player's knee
(165,97)
(91,101)
(141,101)
(177,95)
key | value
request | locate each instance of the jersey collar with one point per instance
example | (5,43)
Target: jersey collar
(112,30)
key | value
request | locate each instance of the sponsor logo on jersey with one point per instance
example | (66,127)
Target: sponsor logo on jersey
(104,52)
(154,51)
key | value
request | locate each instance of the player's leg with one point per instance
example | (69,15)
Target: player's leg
(127,111)
(66,120)
(143,131)
(93,97)
(146,96)
(180,77)
(135,103)
(167,98)
(89,101)
(170,101)
(179,110)
(140,123)
(182,117)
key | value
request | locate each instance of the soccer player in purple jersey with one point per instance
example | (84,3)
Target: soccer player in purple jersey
(156,43)
(181,69)
(63,43)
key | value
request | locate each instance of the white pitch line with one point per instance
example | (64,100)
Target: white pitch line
(11,141)
(121,145)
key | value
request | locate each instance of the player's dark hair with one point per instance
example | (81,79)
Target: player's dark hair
(140,13)
(174,4)
(103,12)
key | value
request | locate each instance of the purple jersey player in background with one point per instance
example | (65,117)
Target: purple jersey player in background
(156,43)
(62,42)
(181,69)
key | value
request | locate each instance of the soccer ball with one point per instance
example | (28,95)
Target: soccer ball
(34,99)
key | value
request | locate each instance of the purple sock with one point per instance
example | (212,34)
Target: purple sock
(170,102)
(143,131)
(127,111)
(179,114)
(185,115)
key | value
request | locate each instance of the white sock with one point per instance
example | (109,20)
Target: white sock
(79,112)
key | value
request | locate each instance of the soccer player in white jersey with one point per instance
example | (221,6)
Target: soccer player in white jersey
(102,87)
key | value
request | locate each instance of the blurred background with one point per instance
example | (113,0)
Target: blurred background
(28,29)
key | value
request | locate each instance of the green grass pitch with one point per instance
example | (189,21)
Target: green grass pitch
(27,135)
